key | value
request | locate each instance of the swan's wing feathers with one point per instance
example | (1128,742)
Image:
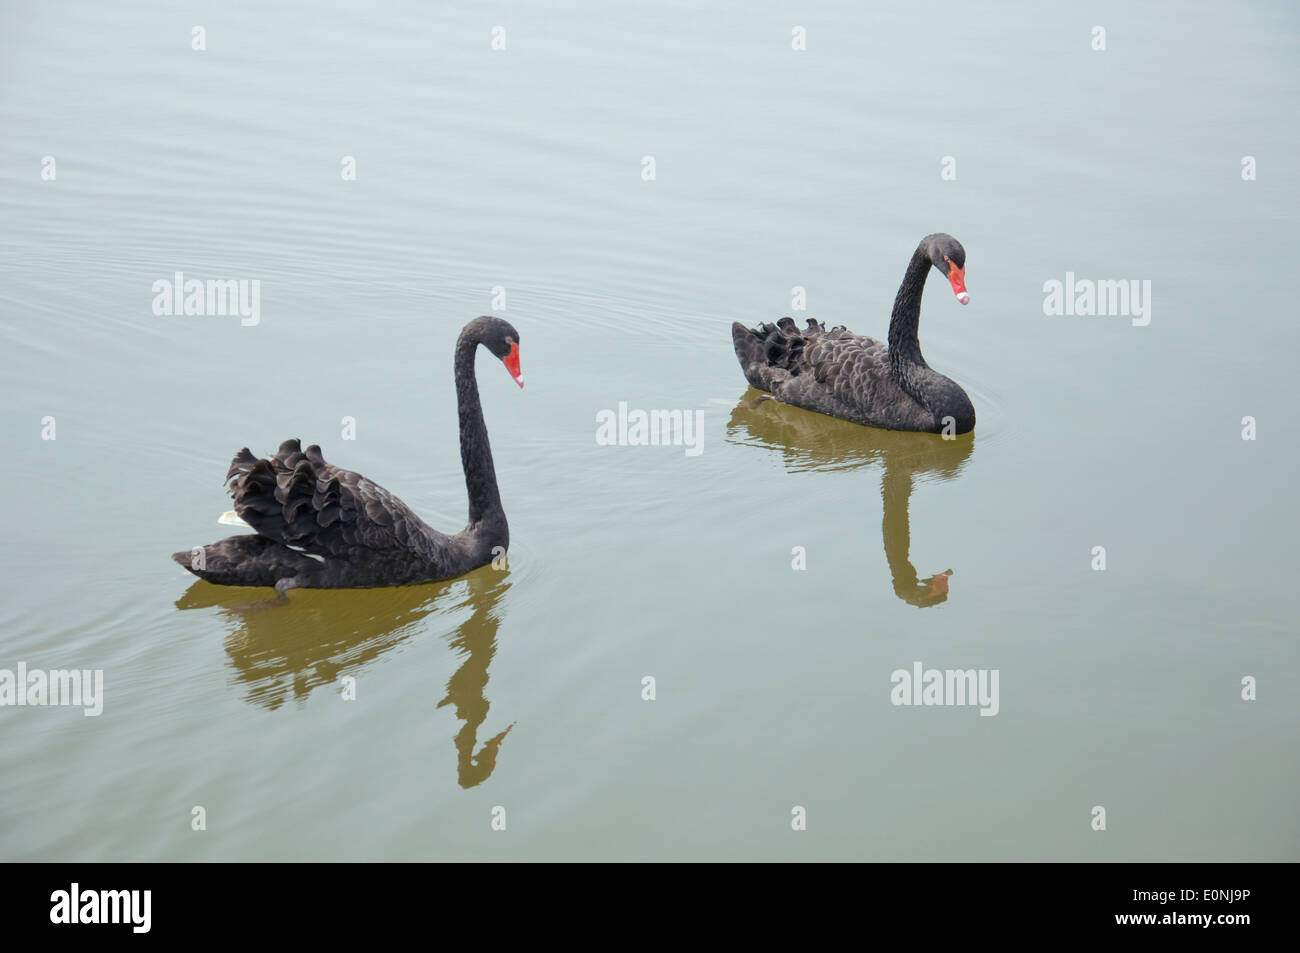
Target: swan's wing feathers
(297,498)
(770,352)
(831,371)
(851,367)
(243,460)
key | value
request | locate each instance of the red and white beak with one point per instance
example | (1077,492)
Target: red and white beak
(957,278)
(511,361)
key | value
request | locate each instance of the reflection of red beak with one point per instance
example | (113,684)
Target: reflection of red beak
(957,278)
(511,361)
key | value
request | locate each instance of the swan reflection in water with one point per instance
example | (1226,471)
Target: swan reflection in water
(316,637)
(811,441)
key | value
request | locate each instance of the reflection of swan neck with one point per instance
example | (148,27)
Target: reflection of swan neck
(477,638)
(896,496)
(809,441)
(895,527)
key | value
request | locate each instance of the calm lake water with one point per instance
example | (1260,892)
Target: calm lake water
(525,169)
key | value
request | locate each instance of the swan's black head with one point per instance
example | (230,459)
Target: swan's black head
(950,258)
(501,338)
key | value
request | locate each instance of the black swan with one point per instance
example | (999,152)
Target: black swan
(320,527)
(858,378)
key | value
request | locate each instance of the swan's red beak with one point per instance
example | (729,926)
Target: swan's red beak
(511,361)
(957,278)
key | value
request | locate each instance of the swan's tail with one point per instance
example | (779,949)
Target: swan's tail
(748,344)
(751,351)
(771,353)
(245,560)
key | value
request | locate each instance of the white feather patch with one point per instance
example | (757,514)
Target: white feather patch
(299,549)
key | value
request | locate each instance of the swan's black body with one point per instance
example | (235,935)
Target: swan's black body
(858,378)
(321,527)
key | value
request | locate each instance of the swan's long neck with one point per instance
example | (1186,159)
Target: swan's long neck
(475,451)
(936,393)
(904,348)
